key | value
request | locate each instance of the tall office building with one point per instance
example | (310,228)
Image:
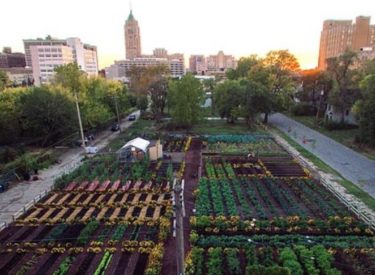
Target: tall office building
(44,55)
(339,35)
(132,37)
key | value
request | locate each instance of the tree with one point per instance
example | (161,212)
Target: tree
(209,89)
(158,93)
(10,113)
(141,78)
(228,97)
(364,110)
(280,66)
(48,113)
(142,103)
(185,99)
(254,100)
(243,67)
(344,91)
(70,76)
(4,80)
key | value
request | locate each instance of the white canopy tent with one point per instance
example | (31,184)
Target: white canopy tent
(139,143)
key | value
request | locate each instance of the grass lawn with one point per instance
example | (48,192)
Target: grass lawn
(139,128)
(345,137)
(350,187)
(219,127)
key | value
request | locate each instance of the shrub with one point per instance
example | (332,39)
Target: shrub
(331,125)
(303,109)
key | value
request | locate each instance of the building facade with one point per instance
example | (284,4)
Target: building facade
(119,70)
(44,55)
(197,64)
(132,38)
(339,35)
(220,62)
(8,59)
(85,55)
(20,76)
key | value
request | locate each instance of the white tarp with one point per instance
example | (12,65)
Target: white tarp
(91,149)
(138,143)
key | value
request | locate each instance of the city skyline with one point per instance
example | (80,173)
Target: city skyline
(190,27)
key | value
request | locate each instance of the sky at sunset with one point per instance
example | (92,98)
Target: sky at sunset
(238,27)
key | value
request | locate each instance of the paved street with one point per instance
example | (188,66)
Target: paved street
(350,164)
(20,194)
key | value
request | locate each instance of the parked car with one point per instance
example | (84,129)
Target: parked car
(115,127)
(132,117)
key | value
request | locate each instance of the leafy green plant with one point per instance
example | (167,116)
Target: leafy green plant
(85,234)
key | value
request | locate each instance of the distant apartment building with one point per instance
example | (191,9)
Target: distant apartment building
(197,64)
(19,76)
(160,52)
(132,38)
(339,35)
(213,64)
(44,55)
(119,70)
(8,59)
(85,55)
(220,62)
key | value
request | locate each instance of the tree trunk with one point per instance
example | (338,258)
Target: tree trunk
(342,116)
(265,120)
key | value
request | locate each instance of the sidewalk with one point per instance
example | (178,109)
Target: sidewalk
(350,164)
(20,194)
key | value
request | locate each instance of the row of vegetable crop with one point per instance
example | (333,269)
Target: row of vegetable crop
(105,214)
(288,225)
(297,260)
(238,241)
(236,138)
(251,197)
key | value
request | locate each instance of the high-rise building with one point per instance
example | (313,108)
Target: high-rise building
(44,55)
(85,55)
(119,70)
(132,37)
(160,52)
(197,64)
(339,35)
(8,59)
(220,62)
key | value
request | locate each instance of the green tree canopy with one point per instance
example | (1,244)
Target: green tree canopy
(244,65)
(364,110)
(4,80)
(46,112)
(228,97)
(185,98)
(344,90)
(158,93)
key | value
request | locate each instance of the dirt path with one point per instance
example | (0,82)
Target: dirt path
(191,177)
(20,194)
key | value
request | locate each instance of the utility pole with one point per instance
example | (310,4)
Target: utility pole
(319,106)
(118,116)
(80,124)
(179,228)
